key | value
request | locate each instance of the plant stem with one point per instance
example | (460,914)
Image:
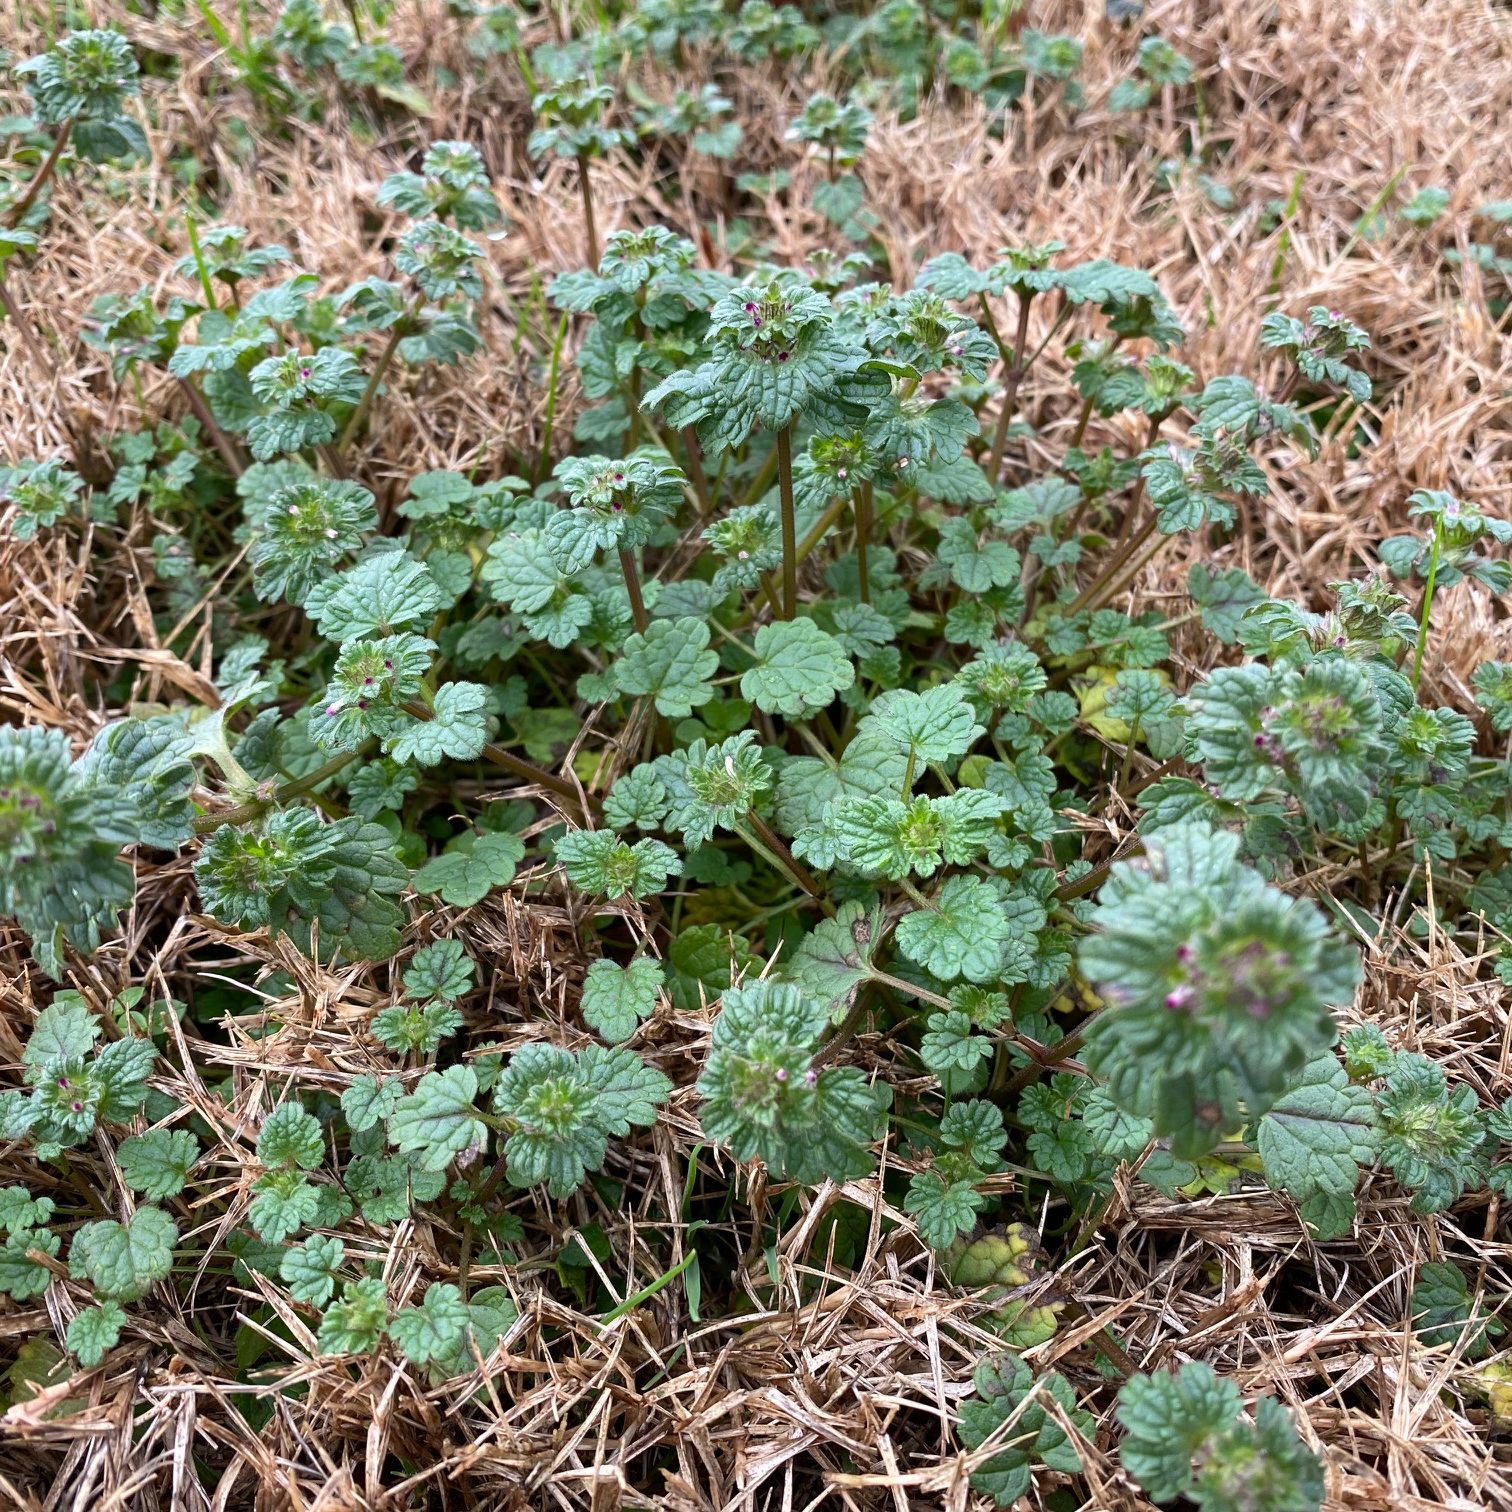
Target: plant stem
(223,442)
(1012,379)
(863,517)
(23,325)
(1112,569)
(817,529)
(296,787)
(785,859)
(391,346)
(693,460)
(1422,640)
(789,522)
(41,176)
(633,588)
(910,990)
(544,459)
(1053,1055)
(518,765)
(590,226)
(199,262)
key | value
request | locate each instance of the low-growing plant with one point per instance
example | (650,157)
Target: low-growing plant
(801,688)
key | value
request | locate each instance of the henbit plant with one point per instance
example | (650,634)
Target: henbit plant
(840,686)
(572,114)
(1186,1438)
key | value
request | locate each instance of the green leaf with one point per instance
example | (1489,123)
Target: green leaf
(942,1210)
(433,1330)
(1314,1139)
(458,727)
(384,592)
(309,1269)
(157,1163)
(616,998)
(437,1121)
(20,1276)
(369,1101)
(930,727)
(1172,1420)
(799,669)
(1035,1439)
(355,1324)
(290,1136)
(442,970)
(94,1332)
(671,663)
(1444,1313)
(765,1099)
(598,862)
(835,957)
(567,1105)
(961,934)
(475,865)
(124,1261)
(65,1031)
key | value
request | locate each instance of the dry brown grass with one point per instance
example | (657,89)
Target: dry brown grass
(836,1386)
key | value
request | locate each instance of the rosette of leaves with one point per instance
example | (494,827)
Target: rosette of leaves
(1219,987)
(572,113)
(302,394)
(612,503)
(1317,733)
(63,824)
(1457,544)
(763,31)
(81,86)
(1186,1436)
(556,1108)
(764,1096)
(440,261)
(1012,1409)
(1320,348)
(75,1083)
(833,130)
(302,35)
(223,253)
(701,120)
(452,185)
(41,493)
(1158,65)
(302,532)
(290,874)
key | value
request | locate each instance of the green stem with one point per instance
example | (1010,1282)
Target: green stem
(245,813)
(910,989)
(789,522)
(590,226)
(391,346)
(1012,379)
(816,530)
(764,839)
(1112,569)
(1422,640)
(633,588)
(527,770)
(543,460)
(693,460)
(223,443)
(41,176)
(863,517)
(199,263)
